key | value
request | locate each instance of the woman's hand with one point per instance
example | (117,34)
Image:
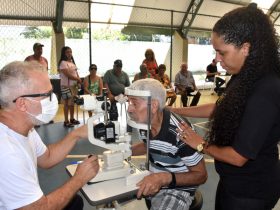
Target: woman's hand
(189,136)
(79,80)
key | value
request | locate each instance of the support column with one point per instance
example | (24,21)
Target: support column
(58,41)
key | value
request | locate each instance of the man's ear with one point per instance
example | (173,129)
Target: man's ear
(154,106)
(246,48)
(21,104)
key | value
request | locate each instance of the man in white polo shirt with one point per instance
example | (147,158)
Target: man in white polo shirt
(27,100)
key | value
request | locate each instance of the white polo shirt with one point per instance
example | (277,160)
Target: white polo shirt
(18,168)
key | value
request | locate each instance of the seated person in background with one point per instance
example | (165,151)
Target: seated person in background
(115,80)
(93,84)
(165,81)
(176,169)
(27,100)
(211,72)
(143,74)
(185,85)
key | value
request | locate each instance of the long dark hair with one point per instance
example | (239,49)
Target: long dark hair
(63,56)
(243,25)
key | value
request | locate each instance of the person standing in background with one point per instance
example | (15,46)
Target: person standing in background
(151,62)
(69,80)
(37,56)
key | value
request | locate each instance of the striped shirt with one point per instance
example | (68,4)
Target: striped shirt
(168,152)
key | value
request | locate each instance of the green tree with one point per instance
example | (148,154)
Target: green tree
(36,33)
(75,33)
(107,34)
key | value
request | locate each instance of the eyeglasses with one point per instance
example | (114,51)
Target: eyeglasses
(93,68)
(48,94)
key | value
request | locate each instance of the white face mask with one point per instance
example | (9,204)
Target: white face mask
(49,110)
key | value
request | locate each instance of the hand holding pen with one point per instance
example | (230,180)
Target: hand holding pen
(87,169)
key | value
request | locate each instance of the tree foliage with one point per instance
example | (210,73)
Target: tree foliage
(75,33)
(106,34)
(36,33)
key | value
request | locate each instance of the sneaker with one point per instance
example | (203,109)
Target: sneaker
(68,124)
(74,122)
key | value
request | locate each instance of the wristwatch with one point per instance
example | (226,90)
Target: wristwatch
(173,181)
(200,147)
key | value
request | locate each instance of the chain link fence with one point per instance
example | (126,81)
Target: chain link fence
(115,32)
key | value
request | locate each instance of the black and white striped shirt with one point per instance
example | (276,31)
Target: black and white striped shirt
(168,152)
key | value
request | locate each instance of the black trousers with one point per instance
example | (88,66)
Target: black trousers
(219,83)
(186,93)
(227,201)
(76,203)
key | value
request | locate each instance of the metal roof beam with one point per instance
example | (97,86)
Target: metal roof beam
(273,12)
(57,24)
(240,3)
(189,16)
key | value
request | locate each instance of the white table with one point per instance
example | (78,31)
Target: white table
(106,191)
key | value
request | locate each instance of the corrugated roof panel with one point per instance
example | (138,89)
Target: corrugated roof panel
(25,22)
(204,22)
(177,5)
(216,8)
(75,10)
(42,12)
(28,8)
(150,17)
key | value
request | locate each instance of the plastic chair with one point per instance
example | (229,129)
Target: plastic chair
(197,202)
(190,98)
(89,104)
(210,85)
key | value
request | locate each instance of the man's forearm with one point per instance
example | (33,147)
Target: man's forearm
(57,199)
(57,152)
(62,196)
(138,149)
(190,178)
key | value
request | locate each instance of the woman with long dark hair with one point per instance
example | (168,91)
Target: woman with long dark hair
(244,124)
(69,79)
